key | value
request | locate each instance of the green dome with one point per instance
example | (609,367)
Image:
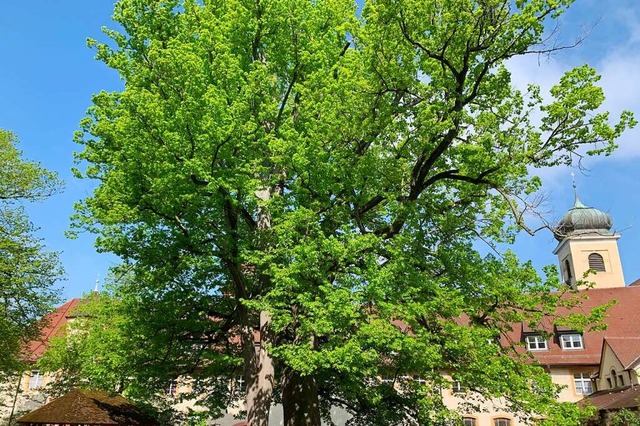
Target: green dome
(582,220)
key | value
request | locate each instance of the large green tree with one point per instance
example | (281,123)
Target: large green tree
(317,175)
(27,270)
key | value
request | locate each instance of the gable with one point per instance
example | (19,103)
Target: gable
(53,325)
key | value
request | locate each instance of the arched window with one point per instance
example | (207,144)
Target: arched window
(502,421)
(614,378)
(567,271)
(468,421)
(596,262)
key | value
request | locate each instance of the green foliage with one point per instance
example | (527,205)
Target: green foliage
(27,270)
(133,340)
(625,417)
(335,170)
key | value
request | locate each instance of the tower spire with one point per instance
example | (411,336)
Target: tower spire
(95,289)
(587,246)
(576,202)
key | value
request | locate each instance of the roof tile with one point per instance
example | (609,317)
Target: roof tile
(623,320)
(85,407)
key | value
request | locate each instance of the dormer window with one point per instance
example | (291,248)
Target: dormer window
(571,341)
(535,342)
(596,262)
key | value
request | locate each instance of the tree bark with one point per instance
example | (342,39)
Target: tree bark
(300,399)
(258,361)
(260,379)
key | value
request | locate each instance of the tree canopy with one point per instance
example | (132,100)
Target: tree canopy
(27,270)
(318,174)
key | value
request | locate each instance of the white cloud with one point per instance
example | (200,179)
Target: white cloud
(621,83)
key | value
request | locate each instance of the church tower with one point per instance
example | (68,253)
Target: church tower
(586,242)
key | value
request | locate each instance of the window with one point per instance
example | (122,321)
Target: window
(172,388)
(35,382)
(536,342)
(583,384)
(419,380)
(567,271)
(468,421)
(596,262)
(387,380)
(571,341)
(240,385)
(614,378)
(620,380)
(502,421)
(458,387)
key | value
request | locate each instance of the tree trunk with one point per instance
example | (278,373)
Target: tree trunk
(300,399)
(259,365)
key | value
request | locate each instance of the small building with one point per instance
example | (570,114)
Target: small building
(88,408)
(610,401)
(616,381)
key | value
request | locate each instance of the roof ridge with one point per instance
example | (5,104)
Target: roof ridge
(632,362)
(622,337)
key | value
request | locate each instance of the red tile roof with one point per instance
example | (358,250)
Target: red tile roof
(635,283)
(53,327)
(623,320)
(626,349)
(614,399)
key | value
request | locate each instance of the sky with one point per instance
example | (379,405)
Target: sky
(48,76)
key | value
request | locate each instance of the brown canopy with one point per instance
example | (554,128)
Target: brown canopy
(89,408)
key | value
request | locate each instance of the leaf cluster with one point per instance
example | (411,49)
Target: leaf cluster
(27,270)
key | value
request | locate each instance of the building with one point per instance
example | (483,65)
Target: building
(588,362)
(25,392)
(600,363)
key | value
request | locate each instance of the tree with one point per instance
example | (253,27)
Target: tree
(625,417)
(320,175)
(133,340)
(27,270)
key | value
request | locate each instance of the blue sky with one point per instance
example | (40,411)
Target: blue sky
(48,75)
